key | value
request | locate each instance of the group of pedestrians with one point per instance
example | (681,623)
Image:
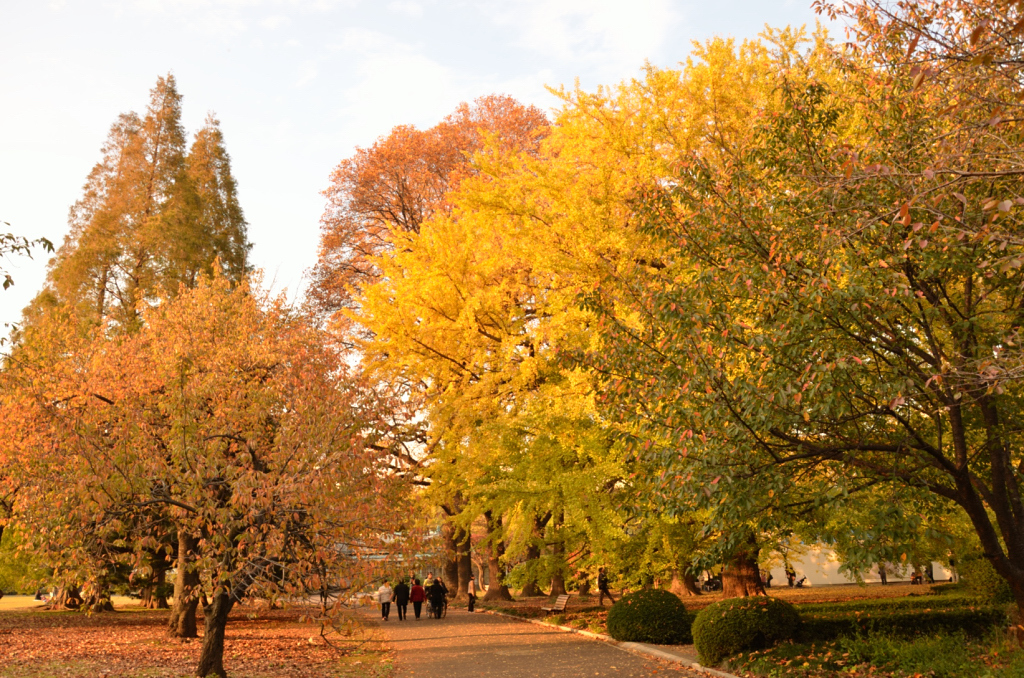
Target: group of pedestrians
(433,591)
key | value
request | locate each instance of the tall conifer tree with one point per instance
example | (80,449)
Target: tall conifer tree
(151,217)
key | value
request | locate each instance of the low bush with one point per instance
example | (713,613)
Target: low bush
(650,616)
(736,624)
(982,581)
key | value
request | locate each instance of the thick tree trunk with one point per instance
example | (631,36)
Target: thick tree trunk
(531,588)
(558,575)
(451,561)
(211,657)
(584,586)
(497,589)
(684,584)
(533,554)
(99,602)
(152,594)
(182,623)
(741,577)
(66,598)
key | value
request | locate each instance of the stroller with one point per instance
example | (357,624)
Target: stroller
(429,608)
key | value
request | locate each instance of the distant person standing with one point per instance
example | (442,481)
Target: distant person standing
(401,599)
(602,587)
(882,573)
(417,595)
(384,595)
(471,591)
(790,575)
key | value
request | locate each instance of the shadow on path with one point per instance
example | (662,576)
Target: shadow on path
(486,645)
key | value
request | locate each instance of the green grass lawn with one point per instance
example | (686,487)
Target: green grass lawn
(897,631)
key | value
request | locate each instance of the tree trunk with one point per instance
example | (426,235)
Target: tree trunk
(533,554)
(584,586)
(211,657)
(531,588)
(99,602)
(464,557)
(741,577)
(497,589)
(451,561)
(66,598)
(684,584)
(558,575)
(152,596)
(182,623)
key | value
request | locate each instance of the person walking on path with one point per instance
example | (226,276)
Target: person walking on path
(417,595)
(471,591)
(602,587)
(427,583)
(384,596)
(401,599)
(436,593)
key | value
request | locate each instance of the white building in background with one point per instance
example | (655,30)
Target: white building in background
(821,567)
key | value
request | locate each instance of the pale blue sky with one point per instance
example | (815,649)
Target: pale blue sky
(298,84)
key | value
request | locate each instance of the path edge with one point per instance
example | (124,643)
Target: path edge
(635,648)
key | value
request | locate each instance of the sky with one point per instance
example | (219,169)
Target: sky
(298,85)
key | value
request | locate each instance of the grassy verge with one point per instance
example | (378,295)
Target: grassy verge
(882,656)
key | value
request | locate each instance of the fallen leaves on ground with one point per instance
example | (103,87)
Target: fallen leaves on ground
(134,642)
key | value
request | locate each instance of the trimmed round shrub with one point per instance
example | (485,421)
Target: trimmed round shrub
(982,580)
(730,626)
(650,616)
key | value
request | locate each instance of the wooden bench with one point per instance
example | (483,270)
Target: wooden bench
(559,605)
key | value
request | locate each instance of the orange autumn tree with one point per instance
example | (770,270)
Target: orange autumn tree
(389,190)
(225,414)
(393,186)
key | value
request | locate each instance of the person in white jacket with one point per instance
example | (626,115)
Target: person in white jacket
(384,596)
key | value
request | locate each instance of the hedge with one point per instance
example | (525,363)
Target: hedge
(973,621)
(736,624)
(886,605)
(650,616)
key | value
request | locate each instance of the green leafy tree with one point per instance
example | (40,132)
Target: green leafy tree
(841,298)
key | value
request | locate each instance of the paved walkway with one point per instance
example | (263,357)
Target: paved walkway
(479,644)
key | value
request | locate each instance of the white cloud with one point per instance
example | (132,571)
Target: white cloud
(364,40)
(407,8)
(274,22)
(307,73)
(606,33)
(393,79)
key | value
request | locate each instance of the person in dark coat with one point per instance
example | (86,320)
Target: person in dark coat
(401,598)
(436,593)
(602,587)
